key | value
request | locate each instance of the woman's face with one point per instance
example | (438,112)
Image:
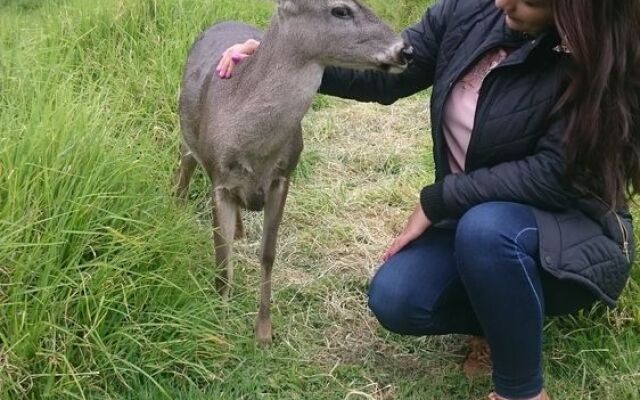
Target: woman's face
(528,16)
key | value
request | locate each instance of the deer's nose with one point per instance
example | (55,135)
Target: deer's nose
(407,54)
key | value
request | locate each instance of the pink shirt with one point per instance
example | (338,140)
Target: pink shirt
(460,108)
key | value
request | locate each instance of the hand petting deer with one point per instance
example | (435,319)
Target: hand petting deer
(246,131)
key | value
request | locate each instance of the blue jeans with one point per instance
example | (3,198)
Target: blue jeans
(482,277)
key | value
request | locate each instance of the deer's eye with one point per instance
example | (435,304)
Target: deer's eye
(342,12)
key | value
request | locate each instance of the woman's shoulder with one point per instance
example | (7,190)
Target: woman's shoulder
(460,12)
(468,8)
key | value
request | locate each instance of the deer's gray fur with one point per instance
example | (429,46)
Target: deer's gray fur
(246,131)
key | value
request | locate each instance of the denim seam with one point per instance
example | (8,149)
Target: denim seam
(524,269)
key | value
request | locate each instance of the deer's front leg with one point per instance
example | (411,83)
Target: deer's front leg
(224,225)
(273,210)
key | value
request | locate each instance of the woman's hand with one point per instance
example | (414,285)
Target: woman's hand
(233,55)
(416,225)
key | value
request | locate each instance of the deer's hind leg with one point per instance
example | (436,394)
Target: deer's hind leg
(273,210)
(184,173)
(225,216)
(240,232)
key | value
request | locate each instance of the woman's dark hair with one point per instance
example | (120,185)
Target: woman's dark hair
(603,95)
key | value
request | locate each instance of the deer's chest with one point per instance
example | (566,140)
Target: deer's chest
(261,158)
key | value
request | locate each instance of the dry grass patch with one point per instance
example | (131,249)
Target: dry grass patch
(366,175)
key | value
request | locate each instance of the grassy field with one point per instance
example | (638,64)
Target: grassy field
(106,282)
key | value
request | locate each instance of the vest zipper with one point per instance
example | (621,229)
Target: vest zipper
(440,132)
(623,230)
(625,237)
(477,58)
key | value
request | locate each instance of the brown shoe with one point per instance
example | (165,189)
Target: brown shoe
(543,396)
(478,361)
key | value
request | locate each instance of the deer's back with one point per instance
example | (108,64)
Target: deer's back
(199,71)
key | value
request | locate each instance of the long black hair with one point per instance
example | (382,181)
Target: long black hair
(602,99)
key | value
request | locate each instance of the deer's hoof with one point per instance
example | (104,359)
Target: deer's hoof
(264,342)
(263,333)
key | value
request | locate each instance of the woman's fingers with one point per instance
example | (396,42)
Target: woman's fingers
(221,69)
(238,57)
(232,56)
(222,63)
(416,225)
(398,244)
(226,70)
(228,61)
(224,66)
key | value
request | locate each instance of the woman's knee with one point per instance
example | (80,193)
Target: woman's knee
(388,301)
(492,221)
(489,227)
(406,294)
(392,300)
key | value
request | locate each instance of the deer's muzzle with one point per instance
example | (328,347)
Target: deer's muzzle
(407,54)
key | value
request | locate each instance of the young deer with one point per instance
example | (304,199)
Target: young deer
(246,131)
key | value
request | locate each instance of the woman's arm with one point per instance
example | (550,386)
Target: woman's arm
(537,180)
(375,86)
(425,38)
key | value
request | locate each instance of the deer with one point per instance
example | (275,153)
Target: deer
(246,131)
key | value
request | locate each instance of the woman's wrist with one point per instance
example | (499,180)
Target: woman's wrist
(251,45)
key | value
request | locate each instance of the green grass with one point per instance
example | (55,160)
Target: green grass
(106,282)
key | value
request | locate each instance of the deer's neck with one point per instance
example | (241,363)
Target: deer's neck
(280,75)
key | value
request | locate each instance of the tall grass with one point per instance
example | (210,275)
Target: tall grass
(106,282)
